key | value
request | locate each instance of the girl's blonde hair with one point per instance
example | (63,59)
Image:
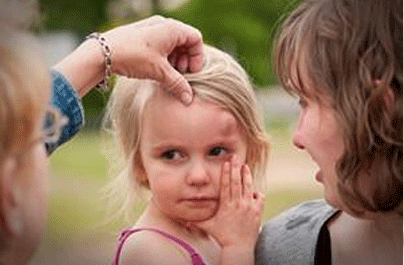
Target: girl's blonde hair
(222,81)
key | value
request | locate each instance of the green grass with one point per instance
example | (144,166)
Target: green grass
(279,201)
(81,158)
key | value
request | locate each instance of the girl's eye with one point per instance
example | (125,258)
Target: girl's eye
(171,155)
(218,151)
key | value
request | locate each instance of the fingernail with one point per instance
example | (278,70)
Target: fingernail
(186,97)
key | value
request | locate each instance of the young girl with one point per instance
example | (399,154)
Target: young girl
(196,161)
(344,59)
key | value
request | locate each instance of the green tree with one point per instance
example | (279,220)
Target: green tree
(79,16)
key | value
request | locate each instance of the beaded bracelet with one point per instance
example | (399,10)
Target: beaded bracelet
(103,85)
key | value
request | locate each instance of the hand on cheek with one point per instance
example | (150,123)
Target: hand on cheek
(238,218)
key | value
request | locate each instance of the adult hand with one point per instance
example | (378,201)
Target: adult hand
(155,48)
(237,222)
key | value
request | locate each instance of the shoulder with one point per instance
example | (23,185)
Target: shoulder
(292,235)
(148,247)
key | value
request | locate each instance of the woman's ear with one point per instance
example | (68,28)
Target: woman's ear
(11,219)
(388,97)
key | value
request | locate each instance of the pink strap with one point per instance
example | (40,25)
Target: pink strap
(195,257)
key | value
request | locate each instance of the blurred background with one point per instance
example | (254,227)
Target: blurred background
(76,232)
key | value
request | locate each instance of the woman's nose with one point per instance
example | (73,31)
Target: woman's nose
(198,173)
(298,139)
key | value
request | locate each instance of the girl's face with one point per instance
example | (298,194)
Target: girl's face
(318,133)
(182,151)
(34,197)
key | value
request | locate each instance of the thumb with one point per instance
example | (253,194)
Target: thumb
(176,84)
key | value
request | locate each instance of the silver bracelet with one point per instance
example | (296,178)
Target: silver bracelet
(104,84)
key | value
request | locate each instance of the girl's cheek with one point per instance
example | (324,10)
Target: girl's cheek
(216,169)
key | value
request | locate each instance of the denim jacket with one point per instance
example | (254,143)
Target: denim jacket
(65,98)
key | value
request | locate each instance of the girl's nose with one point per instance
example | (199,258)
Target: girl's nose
(198,173)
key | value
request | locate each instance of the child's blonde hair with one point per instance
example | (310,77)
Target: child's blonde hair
(222,81)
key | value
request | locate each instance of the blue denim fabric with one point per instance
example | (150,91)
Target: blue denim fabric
(65,98)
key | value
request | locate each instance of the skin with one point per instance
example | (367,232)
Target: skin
(182,154)
(317,132)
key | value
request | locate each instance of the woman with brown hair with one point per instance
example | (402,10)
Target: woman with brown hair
(343,59)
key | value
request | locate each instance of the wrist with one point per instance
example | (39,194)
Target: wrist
(106,51)
(242,254)
(84,67)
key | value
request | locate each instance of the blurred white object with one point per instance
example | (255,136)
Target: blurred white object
(57,45)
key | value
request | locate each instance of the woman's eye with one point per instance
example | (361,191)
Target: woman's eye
(171,155)
(218,151)
(302,103)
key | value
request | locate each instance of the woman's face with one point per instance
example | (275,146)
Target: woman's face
(34,197)
(319,133)
(32,174)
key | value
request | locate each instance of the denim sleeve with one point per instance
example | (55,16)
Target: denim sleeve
(65,98)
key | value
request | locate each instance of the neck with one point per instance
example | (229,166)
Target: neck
(388,227)
(376,239)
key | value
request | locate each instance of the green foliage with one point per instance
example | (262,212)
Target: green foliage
(79,16)
(243,28)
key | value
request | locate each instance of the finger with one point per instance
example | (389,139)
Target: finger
(156,19)
(225,183)
(235,184)
(176,84)
(195,57)
(259,199)
(172,59)
(182,63)
(247,182)
(190,39)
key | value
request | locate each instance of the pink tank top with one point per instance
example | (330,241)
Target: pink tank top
(195,256)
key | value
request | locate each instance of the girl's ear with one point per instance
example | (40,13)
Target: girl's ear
(11,222)
(141,174)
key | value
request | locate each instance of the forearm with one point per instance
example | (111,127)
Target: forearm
(243,255)
(84,67)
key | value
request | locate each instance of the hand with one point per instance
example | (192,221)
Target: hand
(142,49)
(145,49)
(238,219)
